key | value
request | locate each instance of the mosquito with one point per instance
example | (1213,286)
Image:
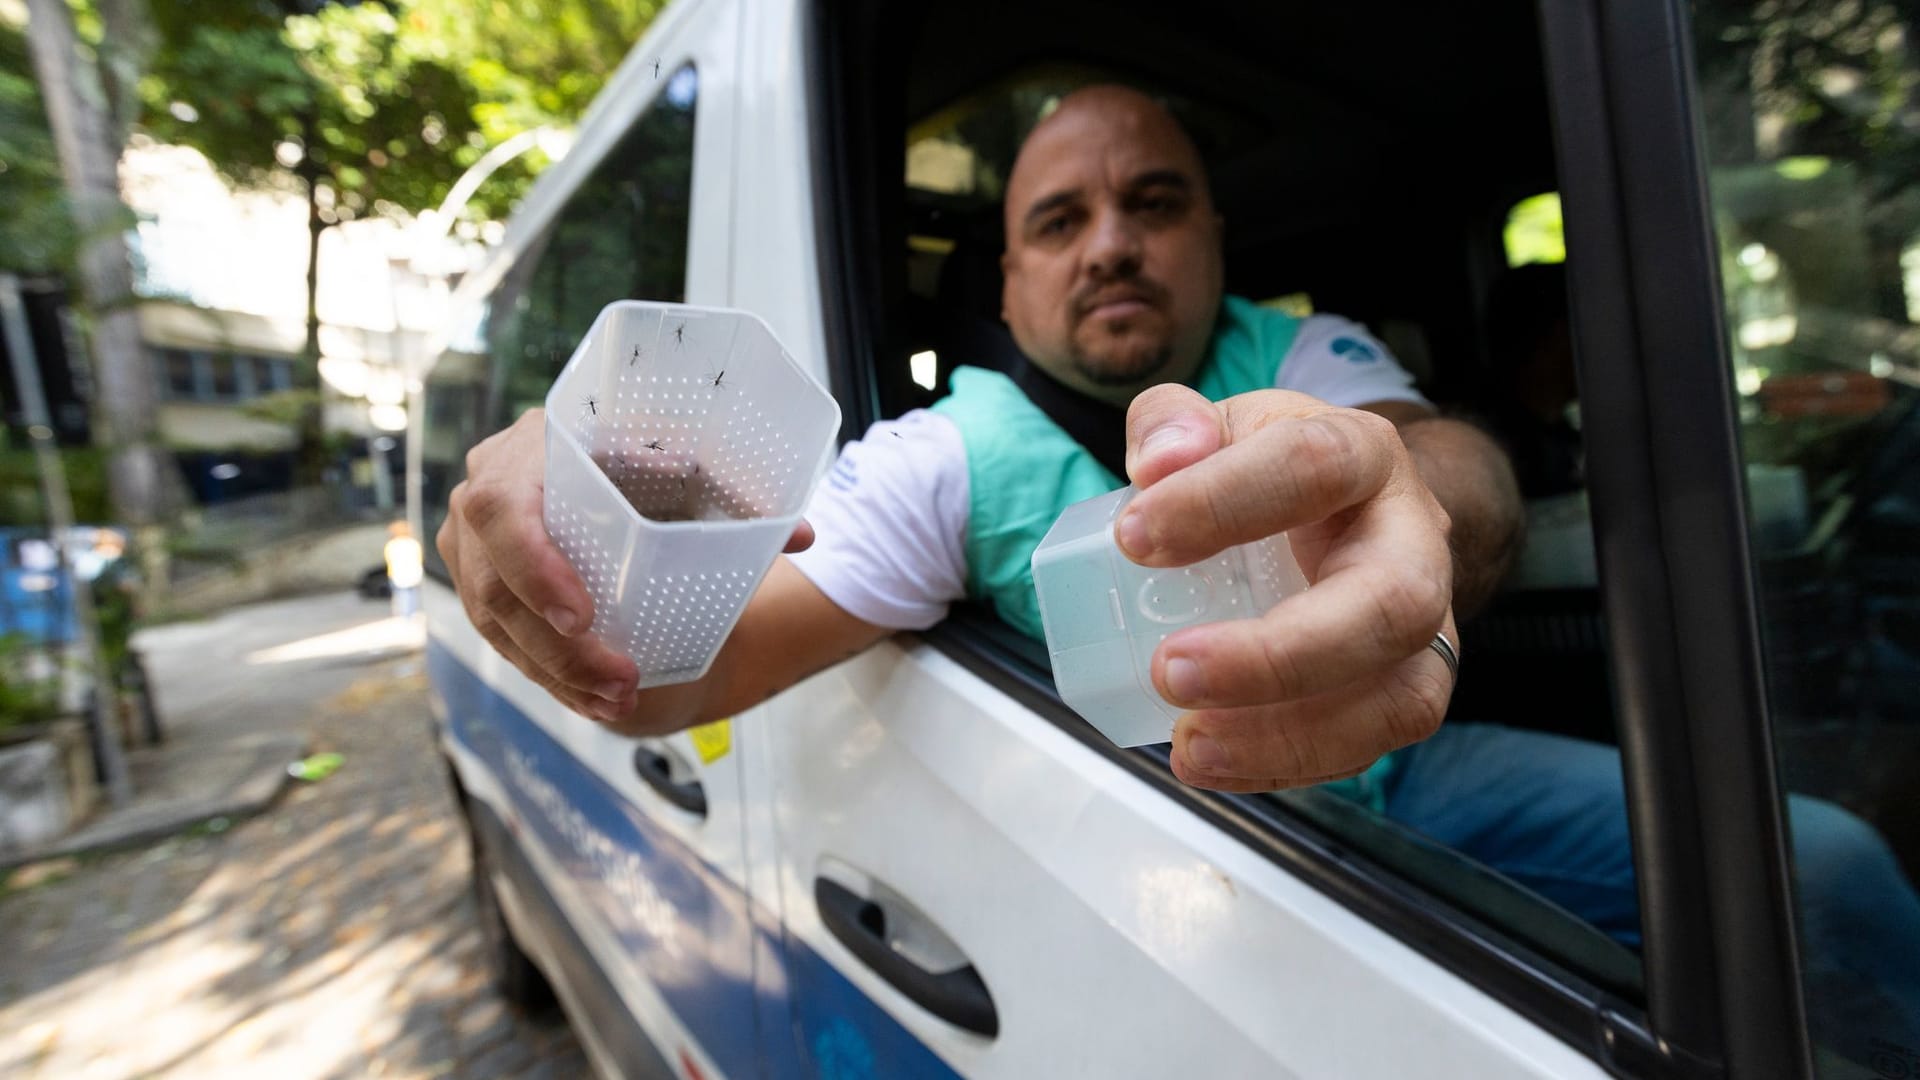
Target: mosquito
(719,381)
(636,356)
(656,68)
(592,405)
(680,334)
(655,445)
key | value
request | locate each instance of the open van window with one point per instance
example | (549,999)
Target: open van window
(1332,203)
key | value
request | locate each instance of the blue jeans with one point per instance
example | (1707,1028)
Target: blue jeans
(1550,812)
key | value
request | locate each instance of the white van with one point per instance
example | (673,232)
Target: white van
(919,863)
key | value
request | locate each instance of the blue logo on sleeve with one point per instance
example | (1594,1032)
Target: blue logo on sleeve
(845,475)
(1355,350)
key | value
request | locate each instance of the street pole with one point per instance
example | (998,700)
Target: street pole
(59,503)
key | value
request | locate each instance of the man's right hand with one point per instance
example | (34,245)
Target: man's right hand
(519,590)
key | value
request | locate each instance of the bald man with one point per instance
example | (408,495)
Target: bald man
(1235,422)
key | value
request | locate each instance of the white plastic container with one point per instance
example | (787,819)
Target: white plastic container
(682,445)
(1105,614)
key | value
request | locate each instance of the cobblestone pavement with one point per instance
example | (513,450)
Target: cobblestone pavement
(331,937)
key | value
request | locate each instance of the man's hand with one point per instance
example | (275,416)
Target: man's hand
(1326,682)
(519,590)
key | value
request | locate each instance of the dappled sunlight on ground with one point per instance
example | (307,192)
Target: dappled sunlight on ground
(332,937)
(389,635)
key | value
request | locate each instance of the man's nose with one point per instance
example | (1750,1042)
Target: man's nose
(1113,247)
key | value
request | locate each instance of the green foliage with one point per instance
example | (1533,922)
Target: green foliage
(36,232)
(368,116)
(86,470)
(289,407)
(1535,232)
(115,595)
(25,698)
(389,102)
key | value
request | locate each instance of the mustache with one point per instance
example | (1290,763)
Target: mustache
(1092,295)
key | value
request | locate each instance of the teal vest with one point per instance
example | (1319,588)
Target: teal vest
(1023,470)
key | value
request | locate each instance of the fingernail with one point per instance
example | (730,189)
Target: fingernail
(1185,681)
(613,690)
(563,620)
(1205,754)
(1164,437)
(1132,534)
(605,711)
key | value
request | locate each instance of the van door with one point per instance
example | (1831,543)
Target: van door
(639,842)
(969,888)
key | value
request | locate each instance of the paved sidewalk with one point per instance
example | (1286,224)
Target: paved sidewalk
(233,693)
(330,937)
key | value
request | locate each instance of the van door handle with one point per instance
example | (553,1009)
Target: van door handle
(656,769)
(959,997)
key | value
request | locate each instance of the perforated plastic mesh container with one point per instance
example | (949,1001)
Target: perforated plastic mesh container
(682,444)
(1105,614)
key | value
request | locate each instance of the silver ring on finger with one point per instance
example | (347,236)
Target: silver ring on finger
(1448,653)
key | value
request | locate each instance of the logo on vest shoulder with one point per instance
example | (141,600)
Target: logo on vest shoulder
(1354,350)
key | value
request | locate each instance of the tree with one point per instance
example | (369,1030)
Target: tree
(87,137)
(518,78)
(36,231)
(326,93)
(376,107)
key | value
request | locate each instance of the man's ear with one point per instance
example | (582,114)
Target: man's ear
(1007,265)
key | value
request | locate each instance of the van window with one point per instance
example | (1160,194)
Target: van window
(621,235)
(1812,125)
(1532,720)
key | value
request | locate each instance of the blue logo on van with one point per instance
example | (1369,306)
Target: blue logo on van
(1355,350)
(841,1052)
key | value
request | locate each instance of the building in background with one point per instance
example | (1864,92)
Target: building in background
(222,276)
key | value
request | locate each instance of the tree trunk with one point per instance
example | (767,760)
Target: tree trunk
(311,457)
(127,41)
(125,420)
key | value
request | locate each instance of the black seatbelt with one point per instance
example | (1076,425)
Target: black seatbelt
(1097,426)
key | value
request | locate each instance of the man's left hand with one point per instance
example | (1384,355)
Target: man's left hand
(1326,682)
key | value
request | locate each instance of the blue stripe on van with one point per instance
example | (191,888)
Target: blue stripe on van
(680,921)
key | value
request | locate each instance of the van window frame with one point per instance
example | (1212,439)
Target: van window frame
(1669,519)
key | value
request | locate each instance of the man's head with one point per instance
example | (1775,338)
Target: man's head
(1113,272)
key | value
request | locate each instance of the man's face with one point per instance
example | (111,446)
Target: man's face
(1112,268)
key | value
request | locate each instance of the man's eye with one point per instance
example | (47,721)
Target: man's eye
(1054,226)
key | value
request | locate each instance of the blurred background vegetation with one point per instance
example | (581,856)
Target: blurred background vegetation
(363,109)
(389,101)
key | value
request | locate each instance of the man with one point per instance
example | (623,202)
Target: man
(1114,293)
(1114,290)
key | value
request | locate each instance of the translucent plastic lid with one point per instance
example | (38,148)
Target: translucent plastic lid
(1105,614)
